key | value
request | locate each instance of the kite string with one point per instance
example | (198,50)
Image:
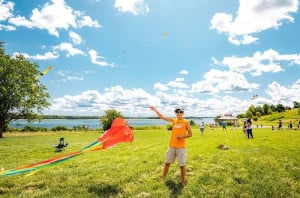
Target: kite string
(119,132)
(52,161)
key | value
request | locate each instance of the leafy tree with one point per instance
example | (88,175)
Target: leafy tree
(250,112)
(280,108)
(193,123)
(108,118)
(296,105)
(216,119)
(21,94)
(267,109)
(259,111)
(273,108)
(242,115)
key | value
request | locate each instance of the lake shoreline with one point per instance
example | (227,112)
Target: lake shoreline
(95,123)
(99,117)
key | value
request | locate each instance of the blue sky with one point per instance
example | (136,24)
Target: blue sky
(210,57)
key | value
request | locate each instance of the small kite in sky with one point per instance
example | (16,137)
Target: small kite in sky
(158,37)
(119,132)
(254,96)
(49,68)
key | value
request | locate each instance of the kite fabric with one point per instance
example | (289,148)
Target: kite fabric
(44,72)
(119,132)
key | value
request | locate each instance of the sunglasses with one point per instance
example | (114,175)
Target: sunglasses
(179,112)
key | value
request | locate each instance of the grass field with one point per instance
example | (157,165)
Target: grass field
(266,166)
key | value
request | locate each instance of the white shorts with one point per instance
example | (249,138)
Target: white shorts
(179,153)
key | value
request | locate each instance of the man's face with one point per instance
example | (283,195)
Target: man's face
(179,113)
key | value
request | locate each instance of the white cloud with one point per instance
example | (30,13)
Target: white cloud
(67,77)
(215,81)
(87,21)
(136,102)
(136,7)
(76,38)
(68,47)
(160,87)
(53,17)
(7,27)
(179,79)
(171,85)
(46,56)
(244,40)
(284,95)
(227,81)
(72,78)
(98,60)
(62,72)
(177,84)
(184,72)
(203,87)
(215,61)
(253,17)
(267,61)
(6,10)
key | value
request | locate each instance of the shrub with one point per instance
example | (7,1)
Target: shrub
(193,123)
(33,128)
(59,128)
(108,118)
(78,128)
(169,127)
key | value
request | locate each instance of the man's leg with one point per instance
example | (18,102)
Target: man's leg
(166,170)
(183,171)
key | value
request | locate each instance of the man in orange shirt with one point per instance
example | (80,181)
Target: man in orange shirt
(181,129)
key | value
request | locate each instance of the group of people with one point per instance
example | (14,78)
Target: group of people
(247,128)
(181,130)
(290,125)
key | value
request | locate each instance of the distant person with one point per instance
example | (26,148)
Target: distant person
(181,130)
(234,126)
(223,125)
(249,128)
(280,125)
(245,126)
(202,126)
(290,126)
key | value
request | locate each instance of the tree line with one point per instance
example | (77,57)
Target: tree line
(266,109)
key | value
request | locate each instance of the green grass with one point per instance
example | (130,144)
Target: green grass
(266,166)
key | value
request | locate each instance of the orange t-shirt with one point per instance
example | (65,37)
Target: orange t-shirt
(179,127)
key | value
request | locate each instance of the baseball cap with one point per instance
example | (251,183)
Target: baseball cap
(179,109)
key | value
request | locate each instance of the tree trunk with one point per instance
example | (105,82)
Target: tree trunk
(1,132)
(2,127)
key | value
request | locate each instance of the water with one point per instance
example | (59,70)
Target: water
(94,123)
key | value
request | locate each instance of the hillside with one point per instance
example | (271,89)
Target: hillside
(288,114)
